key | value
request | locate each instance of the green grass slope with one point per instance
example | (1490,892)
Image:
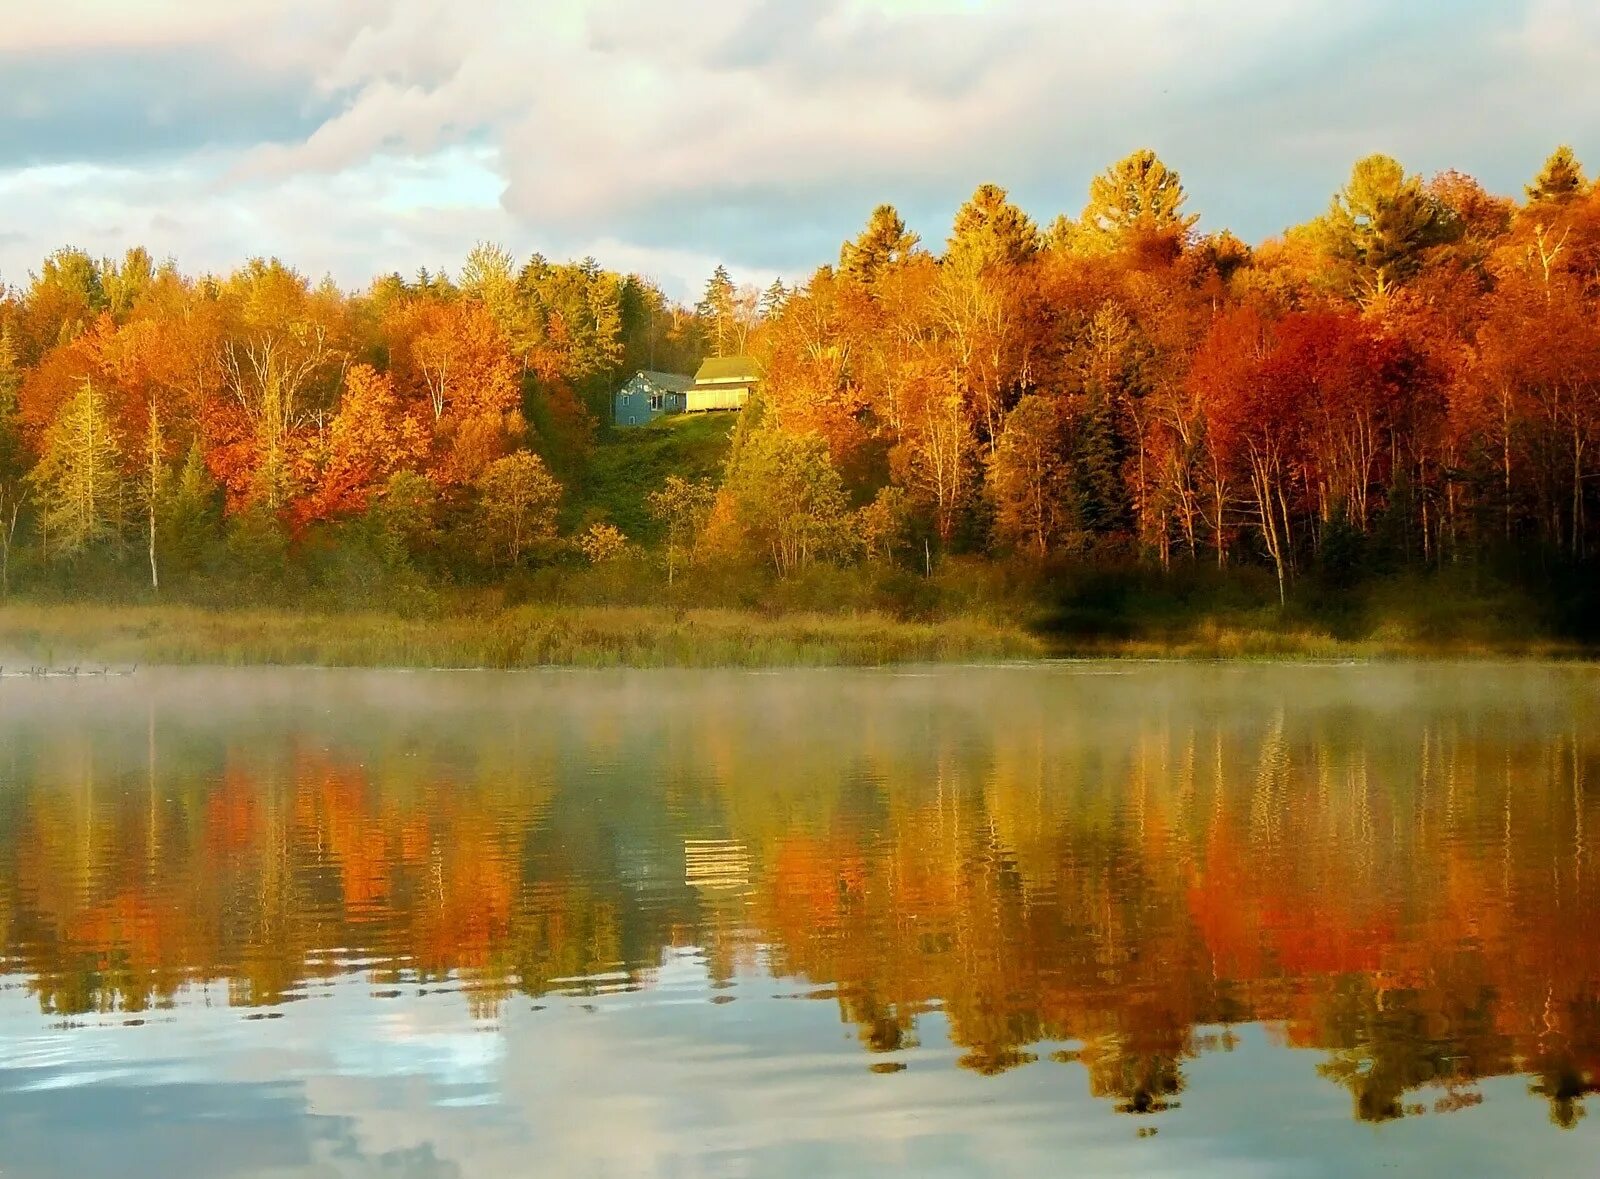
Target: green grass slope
(628,464)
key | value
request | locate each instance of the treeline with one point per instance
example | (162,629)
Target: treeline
(231,425)
(1411,379)
(1415,374)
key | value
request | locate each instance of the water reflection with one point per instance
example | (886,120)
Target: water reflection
(1112,872)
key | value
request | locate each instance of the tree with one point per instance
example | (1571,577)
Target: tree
(602,542)
(62,300)
(1029,482)
(517,503)
(884,243)
(489,276)
(773,299)
(13,457)
(934,456)
(989,230)
(1138,196)
(190,511)
(126,283)
(1252,438)
(454,359)
(718,308)
(1479,214)
(682,507)
(883,526)
(1379,226)
(281,363)
(1559,180)
(785,497)
(152,487)
(369,439)
(77,480)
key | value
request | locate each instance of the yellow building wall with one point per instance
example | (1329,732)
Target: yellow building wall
(698,400)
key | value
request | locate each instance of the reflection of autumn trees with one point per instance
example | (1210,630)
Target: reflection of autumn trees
(1418,912)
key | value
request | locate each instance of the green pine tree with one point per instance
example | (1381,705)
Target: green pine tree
(1137,194)
(1560,179)
(883,243)
(717,311)
(989,230)
(1379,227)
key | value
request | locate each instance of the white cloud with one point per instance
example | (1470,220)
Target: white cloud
(761,132)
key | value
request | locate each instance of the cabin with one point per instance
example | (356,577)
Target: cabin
(723,382)
(647,396)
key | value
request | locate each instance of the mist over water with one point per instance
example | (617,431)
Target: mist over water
(1142,918)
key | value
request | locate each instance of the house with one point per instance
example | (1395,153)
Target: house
(647,396)
(723,382)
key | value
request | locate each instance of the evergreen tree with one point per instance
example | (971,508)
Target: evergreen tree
(718,309)
(1136,195)
(989,230)
(773,299)
(1098,453)
(189,512)
(1379,226)
(77,479)
(883,243)
(1559,179)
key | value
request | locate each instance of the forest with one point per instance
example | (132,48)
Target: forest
(1404,390)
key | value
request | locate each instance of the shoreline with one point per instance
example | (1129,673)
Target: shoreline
(527,637)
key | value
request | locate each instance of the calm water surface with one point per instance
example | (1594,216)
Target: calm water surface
(1073,919)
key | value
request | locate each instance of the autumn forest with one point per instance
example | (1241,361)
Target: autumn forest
(1409,383)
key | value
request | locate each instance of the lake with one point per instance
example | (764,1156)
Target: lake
(1087,919)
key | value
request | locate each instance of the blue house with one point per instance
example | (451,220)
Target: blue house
(647,396)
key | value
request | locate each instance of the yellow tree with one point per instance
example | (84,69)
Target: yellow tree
(517,503)
(13,458)
(280,368)
(682,506)
(368,441)
(77,480)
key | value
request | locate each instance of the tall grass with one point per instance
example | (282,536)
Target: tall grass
(528,636)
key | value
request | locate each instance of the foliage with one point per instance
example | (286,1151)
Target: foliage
(682,507)
(517,504)
(1379,225)
(602,543)
(1410,382)
(784,499)
(77,481)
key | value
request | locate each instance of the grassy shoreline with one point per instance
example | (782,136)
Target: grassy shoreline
(519,637)
(634,636)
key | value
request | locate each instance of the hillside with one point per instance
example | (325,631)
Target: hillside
(628,464)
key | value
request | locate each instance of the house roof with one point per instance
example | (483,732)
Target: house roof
(671,382)
(731,370)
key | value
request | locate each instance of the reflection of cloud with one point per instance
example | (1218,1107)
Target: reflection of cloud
(664,1083)
(759,131)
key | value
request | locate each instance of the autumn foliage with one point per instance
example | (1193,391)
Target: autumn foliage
(1412,378)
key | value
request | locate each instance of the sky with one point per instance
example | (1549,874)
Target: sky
(358,137)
